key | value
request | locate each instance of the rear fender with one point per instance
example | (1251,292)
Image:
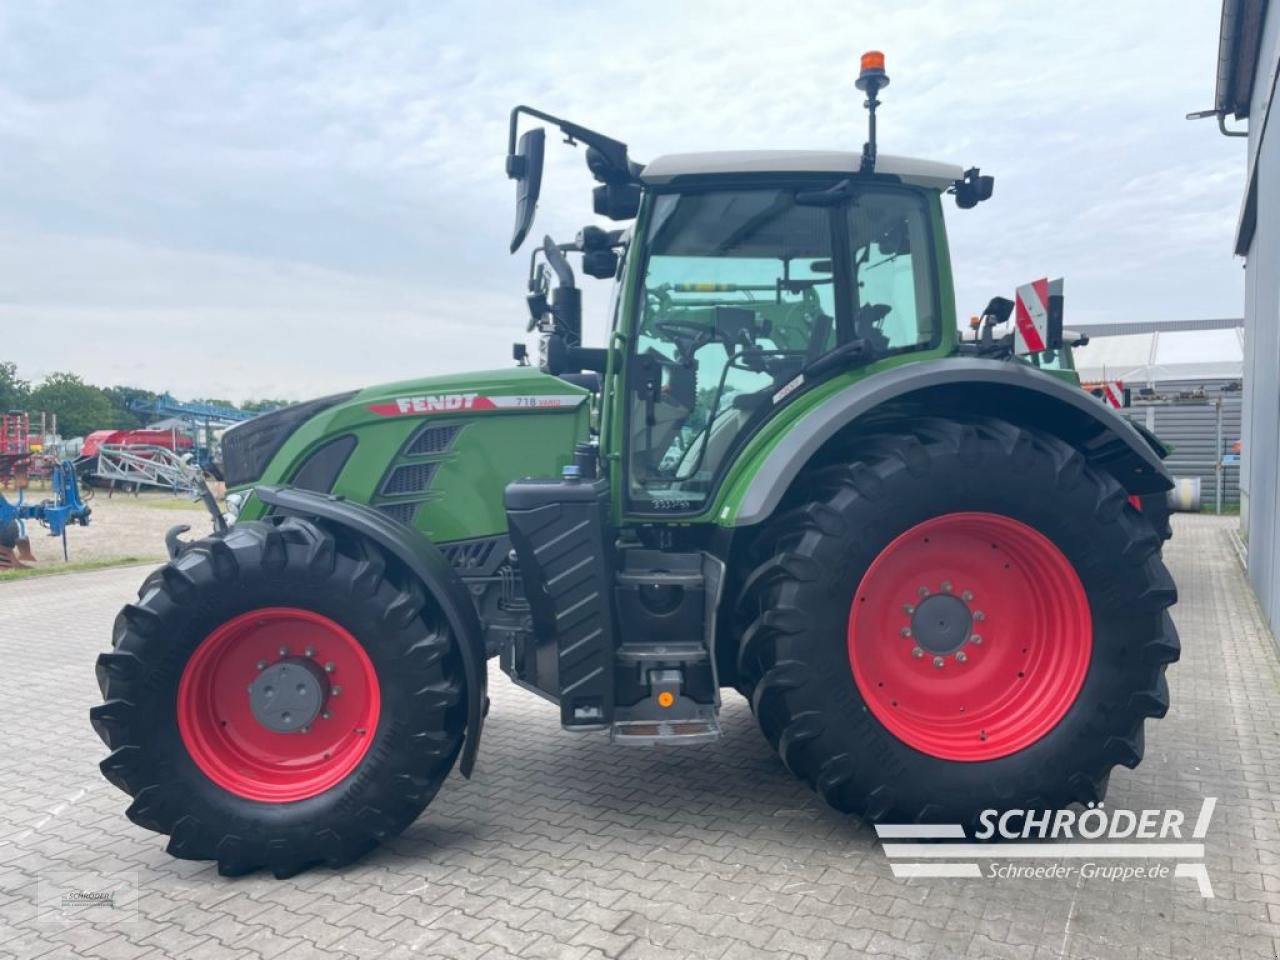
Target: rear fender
(1014,391)
(426,562)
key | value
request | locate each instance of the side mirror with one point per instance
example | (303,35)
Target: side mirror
(525,167)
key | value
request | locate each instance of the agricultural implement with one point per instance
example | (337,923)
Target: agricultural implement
(135,465)
(64,508)
(783,473)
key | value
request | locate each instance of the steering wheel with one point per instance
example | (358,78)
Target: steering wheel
(687,335)
(674,329)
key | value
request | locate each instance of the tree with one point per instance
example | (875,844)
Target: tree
(124,417)
(262,406)
(14,393)
(80,408)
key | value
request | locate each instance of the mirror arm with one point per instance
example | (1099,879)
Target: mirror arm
(613,151)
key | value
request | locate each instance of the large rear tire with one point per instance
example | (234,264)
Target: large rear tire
(959,616)
(269,609)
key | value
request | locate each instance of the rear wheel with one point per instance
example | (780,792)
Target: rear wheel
(963,616)
(279,697)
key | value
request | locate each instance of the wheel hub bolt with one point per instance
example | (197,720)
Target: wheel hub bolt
(979,615)
(309,652)
(960,657)
(905,632)
(908,609)
(937,661)
(917,652)
(946,586)
(922,590)
(283,651)
(325,715)
(967,596)
(976,638)
(328,667)
(262,664)
(336,690)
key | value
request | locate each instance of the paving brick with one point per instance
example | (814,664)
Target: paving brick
(565,848)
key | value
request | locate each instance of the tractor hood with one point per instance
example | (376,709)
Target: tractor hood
(434,453)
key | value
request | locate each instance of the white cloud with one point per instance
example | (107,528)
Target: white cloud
(237,197)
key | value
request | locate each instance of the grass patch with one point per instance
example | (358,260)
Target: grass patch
(76,566)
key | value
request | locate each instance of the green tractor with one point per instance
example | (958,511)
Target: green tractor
(921,559)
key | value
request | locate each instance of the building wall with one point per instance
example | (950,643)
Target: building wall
(1262,335)
(1191,429)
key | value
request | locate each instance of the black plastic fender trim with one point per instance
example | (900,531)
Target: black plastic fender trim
(997,387)
(428,564)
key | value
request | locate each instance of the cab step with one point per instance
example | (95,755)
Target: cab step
(678,652)
(686,731)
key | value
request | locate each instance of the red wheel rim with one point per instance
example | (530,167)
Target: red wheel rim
(969,636)
(237,751)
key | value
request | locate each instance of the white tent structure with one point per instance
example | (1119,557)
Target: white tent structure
(1164,357)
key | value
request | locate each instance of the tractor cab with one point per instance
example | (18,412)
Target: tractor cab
(754,277)
(748,279)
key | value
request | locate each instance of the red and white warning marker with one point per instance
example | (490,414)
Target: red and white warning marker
(1031,316)
(1113,393)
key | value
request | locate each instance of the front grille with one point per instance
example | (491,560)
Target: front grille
(400,512)
(432,440)
(410,478)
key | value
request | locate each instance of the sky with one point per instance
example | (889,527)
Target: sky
(286,199)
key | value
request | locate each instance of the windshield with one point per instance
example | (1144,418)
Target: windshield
(743,289)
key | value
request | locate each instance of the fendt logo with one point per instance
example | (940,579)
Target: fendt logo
(436,403)
(433,403)
(454,402)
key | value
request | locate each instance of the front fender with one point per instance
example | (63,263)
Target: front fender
(425,561)
(945,387)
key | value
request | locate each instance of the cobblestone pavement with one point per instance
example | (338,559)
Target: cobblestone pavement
(563,846)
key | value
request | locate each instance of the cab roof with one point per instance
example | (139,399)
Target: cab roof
(922,173)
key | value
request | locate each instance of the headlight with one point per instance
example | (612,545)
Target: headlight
(248,447)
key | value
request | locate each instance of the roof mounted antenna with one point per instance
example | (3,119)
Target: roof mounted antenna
(871,78)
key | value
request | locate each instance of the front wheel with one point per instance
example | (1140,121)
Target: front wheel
(279,697)
(961,616)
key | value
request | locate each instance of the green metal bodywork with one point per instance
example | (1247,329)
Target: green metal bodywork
(494,447)
(498,446)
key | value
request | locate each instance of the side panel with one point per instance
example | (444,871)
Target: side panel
(436,454)
(951,385)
